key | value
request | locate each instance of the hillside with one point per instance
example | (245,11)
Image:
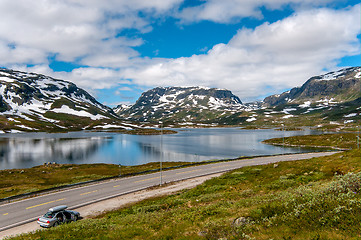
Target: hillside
(331,102)
(334,87)
(333,98)
(34,102)
(182,104)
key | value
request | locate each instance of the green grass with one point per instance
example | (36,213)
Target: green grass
(19,181)
(339,140)
(318,198)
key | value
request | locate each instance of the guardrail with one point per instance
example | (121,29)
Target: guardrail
(59,188)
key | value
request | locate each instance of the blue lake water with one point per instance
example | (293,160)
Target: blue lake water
(31,149)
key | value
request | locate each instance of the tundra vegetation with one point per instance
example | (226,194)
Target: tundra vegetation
(319,198)
(20,181)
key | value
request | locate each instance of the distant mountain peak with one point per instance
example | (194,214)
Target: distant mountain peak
(340,74)
(341,86)
(183,104)
(35,102)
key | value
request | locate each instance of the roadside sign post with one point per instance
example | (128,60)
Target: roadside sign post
(161,151)
(283,138)
(358,137)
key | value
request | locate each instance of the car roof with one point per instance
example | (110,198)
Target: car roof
(58,208)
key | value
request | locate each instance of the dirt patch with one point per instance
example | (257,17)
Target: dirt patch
(117,202)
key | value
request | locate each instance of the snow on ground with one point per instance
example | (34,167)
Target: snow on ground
(15,131)
(351,115)
(251,119)
(327,101)
(113,126)
(186,123)
(68,110)
(6,79)
(216,104)
(130,125)
(305,104)
(23,126)
(289,110)
(332,75)
(12,119)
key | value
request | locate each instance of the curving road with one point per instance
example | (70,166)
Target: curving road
(21,212)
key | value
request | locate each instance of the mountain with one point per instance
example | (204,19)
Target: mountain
(325,99)
(34,102)
(341,86)
(329,101)
(182,104)
(120,108)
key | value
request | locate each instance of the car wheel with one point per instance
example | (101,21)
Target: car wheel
(55,224)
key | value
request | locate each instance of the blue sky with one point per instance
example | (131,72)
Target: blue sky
(116,49)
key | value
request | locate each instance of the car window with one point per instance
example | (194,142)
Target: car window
(49,215)
(67,214)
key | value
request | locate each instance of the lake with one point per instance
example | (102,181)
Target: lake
(26,150)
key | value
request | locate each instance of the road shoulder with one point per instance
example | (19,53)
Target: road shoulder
(117,202)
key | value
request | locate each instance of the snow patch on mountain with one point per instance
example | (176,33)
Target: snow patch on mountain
(68,110)
(178,102)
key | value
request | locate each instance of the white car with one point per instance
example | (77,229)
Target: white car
(58,215)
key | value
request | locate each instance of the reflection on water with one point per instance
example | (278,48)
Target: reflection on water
(31,149)
(22,152)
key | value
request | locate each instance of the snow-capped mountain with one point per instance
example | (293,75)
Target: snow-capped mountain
(120,108)
(34,102)
(334,87)
(182,104)
(333,98)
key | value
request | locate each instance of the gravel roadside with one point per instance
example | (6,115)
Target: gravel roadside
(117,202)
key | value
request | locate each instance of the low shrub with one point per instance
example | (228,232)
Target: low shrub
(337,205)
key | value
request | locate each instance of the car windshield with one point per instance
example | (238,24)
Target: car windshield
(49,215)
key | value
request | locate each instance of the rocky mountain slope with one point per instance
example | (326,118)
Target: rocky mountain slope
(34,102)
(330,101)
(182,104)
(341,86)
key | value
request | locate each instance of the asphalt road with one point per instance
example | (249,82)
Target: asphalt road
(21,212)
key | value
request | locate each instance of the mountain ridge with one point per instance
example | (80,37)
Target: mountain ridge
(35,102)
(343,85)
(182,103)
(334,95)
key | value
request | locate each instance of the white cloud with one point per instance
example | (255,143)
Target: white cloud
(30,31)
(270,58)
(276,56)
(227,10)
(125,89)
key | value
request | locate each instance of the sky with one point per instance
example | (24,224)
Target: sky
(117,49)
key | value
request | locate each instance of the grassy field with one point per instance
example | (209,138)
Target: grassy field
(339,140)
(319,198)
(19,181)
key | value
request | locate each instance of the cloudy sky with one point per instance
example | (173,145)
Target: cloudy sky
(116,49)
